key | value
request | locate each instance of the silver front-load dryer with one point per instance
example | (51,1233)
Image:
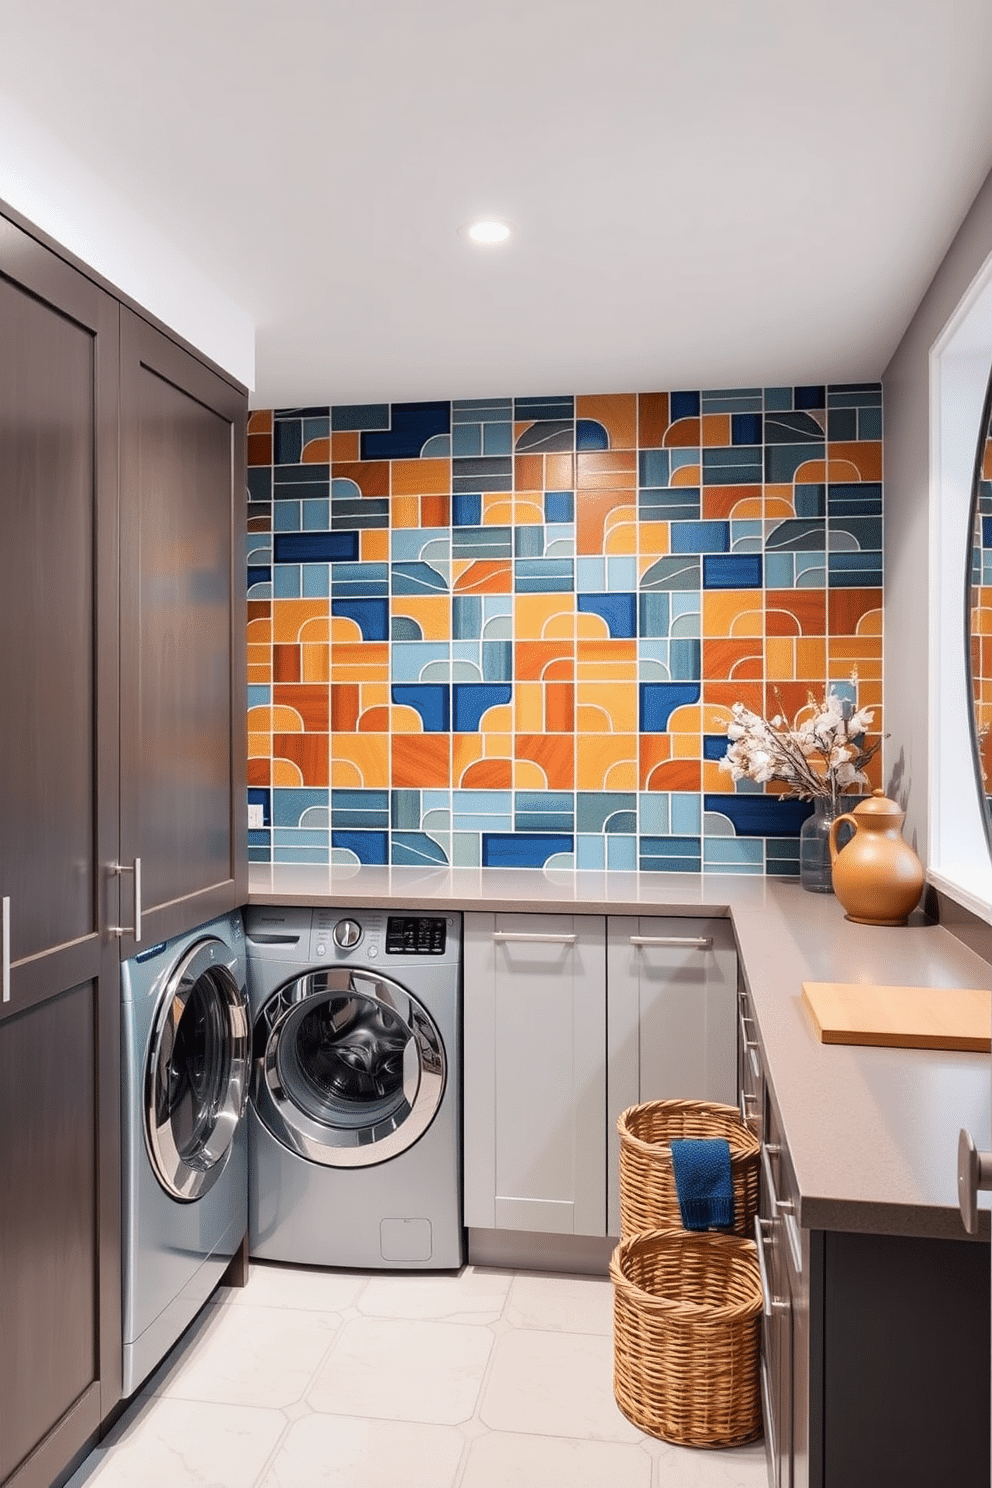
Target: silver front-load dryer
(355,1114)
(185,1037)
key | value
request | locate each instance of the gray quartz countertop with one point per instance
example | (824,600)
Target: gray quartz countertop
(872,1132)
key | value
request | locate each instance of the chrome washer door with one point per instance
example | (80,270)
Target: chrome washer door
(349,1068)
(196,1079)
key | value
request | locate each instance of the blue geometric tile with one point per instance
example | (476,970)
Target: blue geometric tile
(291,803)
(432,544)
(548,436)
(316,515)
(854,499)
(419,578)
(288,516)
(653,467)
(621,854)
(466,439)
(259,696)
(412,661)
(738,466)
(482,542)
(782,857)
(417,848)
(735,571)
(855,395)
(745,428)
(431,700)
(497,439)
(860,532)
(734,855)
(746,536)
(683,405)
(543,576)
(544,811)
(287,441)
(606,811)
(346,417)
(778,399)
(404,809)
(438,447)
(672,573)
(317,427)
(560,407)
(783,460)
(315,547)
(314,855)
(402,628)
(482,810)
(655,614)
(528,541)
(870,423)
(466,617)
(810,397)
(685,660)
(590,575)
(796,536)
(286,581)
(482,410)
(855,570)
(297,482)
(670,855)
(674,504)
(472,702)
(686,813)
(316,581)
(618,610)
(715,746)
(590,852)
(360,580)
(590,435)
(288,837)
(487,473)
(700,537)
(621,574)
(370,615)
(522,850)
(559,506)
(259,795)
(842,424)
(259,573)
(732,400)
(760,816)
(359,512)
(259,483)
(810,499)
(497,661)
(659,700)
(811,570)
(368,847)
(410,427)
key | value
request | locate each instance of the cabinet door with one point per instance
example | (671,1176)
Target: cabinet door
(535,1080)
(60,1006)
(672,1019)
(183,739)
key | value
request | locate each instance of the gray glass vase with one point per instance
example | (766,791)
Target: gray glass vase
(814,842)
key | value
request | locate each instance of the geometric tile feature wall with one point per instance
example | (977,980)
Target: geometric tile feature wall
(509,631)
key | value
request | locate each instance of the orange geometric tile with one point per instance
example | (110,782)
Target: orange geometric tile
(675,775)
(435,510)
(726,658)
(528,707)
(653,539)
(421,761)
(528,509)
(317,452)
(683,434)
(607,661)
(855,611)
(687,475)
(607,762)
(286,663)
(791,700)
(285,773)
(685,720)
(855,461)
(620,531)
(370,476)
(308,752)
(780,501)
(812,472)
(606,470)
(793,612)
(260,771)
(421,477)
(554,756)
(259,522)
(290,615)
(652,419)
(543,661)
(594,513)
(653,749)
(374,545)
(987,461)
(857,649)
(316,662)
(496,774)
(259,672)
(780,658)
(260,422)
(374,720)
(404,719)
(687,745)
(260,629)
(733,612)
(559,707)
(259,449)
(740,502)
(617,412)
(432,613)
(811,657)
(720,697)
(272,720)
(713,778)
(345,446)
(404,512)
(259,745)
(715,431)
(360,761)
(559,472)
(528,472)
(310,701)
(345,706)
(316,630)
(362,661)
(607,708)
(259,609)
(497,509)
(476,576)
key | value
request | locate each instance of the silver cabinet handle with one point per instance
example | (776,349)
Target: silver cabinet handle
(134,929)
(687,942)
(542,939)
(5,951)
(781,1206)
(772,1304)
(974,1174)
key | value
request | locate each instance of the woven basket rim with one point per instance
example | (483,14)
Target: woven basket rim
(732,1250)
(744,1145)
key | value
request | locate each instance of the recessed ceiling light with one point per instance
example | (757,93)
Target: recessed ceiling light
(488,232)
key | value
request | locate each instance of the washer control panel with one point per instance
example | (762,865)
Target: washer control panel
(415,935)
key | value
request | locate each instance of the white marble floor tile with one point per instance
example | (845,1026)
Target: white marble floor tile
(727,1467)
(342,1452)
(309,1288)
(571,1304)
(473,1296)
(555,1384)
(261,1356)
(188,1444)
(501,1459)
(403,1371)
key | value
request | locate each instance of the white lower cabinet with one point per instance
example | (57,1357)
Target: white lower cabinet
(535,1087)
(672,1020)
(568,1020)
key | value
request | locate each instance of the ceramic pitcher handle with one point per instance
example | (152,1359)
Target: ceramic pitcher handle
(847,817)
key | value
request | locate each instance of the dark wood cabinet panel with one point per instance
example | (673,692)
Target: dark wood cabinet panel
(182,698)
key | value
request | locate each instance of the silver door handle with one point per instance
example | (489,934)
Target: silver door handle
(974,1174)
(772,1304)
(686,942)
(542,939)
(781,1206)
(5,951)
(134,929)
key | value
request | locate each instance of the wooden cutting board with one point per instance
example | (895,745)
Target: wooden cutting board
(901,1017)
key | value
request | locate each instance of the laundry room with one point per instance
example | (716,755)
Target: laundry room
(497,507)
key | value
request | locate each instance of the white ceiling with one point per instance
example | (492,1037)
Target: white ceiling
(706,193)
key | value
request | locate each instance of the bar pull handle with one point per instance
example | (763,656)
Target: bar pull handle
(686,942)
(772,1304)
(5,950)
(520,935)
(134,929)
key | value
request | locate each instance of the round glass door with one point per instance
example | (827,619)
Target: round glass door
(197,1077)
(349,1068)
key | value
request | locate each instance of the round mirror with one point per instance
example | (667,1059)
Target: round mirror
(978,593)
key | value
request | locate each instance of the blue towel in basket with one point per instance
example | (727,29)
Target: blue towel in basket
(703,1183)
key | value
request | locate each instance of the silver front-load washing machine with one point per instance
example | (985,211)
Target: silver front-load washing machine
(355,1114)
(185,1036)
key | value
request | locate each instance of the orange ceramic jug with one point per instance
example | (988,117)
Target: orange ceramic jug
(877,876)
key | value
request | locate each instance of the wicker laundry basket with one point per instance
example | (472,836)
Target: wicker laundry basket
(648,1200)
(687,1336)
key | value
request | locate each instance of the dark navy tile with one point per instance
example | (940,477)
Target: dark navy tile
(368,847)
(700,537)
(261,796)
(731,467)
(869,423)
(732,400)
(482,410)
(560,407)
(302,475)
(778,399)
(259,483)
(745,428)
(559,506)
(359,416)
(618,610)
(362,513)
(370,615)
(522,849)
(810,499)
(466,510)
(810,397)
(854,499)
(315,547)
(287,443)
(411,425)
(683,405)
(855,395)
(842,424)
(669,504)
(432,700)
(866,532)
(550,436)
(590,435)
(733,571)
(259,574)
(761,815)
(715,746)
(494,473)
(792,428)
(783,460)
(316,410)
(659,700)
(471,700)
(854,570)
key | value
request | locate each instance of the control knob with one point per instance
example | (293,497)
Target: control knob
(347,933)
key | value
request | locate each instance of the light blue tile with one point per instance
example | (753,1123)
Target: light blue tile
(590,575)
(621,854)
(316,580)
(438,447)
(466,439)
(621,574)
(286,516)
(408,659)
(686,814)
(289,837)
(652,661)
(726,851)
(654,809)
(590,852)
(780,570)
(683,457)
(466,849)
(300,855)
(482,811)
(286,581)
(259,696)
(424,544)
(497,439)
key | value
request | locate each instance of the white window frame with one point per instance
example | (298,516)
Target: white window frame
(960,362)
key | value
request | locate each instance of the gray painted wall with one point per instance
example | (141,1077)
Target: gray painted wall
(907,515)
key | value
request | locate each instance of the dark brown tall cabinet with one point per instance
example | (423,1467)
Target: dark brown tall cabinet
(120,723)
